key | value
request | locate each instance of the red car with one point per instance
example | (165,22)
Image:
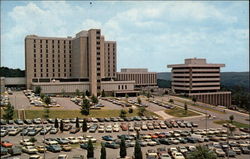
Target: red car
(124,126)
(6,144)
(153,136)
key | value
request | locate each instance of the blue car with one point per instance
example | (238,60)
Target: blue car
(54,148)
(107,138)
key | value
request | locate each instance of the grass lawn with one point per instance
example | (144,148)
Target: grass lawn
(179,112)
(31,114)
(201,107)
(235,123)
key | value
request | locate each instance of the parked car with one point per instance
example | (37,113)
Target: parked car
(107,138)
(4,151)
(40,149)
(6,144)
(111,145)
(54,148)
(15,150)
(29,149)
(66,148)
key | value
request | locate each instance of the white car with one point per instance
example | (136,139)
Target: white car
(62,156)
(178,155)
(82,139)
(150,142)
(50,141)
(116,128)
(91,138)
(101,129)
(29,149)
(73,140)
(26,142)
(108,128)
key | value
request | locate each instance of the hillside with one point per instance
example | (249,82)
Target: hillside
(228,79)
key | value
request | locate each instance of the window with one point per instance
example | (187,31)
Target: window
(64,65)
(34,55)
(41,70)
(46,41)
(34,70)
(34,41)
(98,87)
(47,75)
(98,48)
(34,45)
(34,60)
(41,46)
(98,58)
(125,86)
(64,74)
(98,32)
(34,65)
(122,86)
(53,65)
(41,55)
(53,42)
(98,43)
(53,56)
(53,75)
(47,46)
(47,55)
(47,65)
(58,65)
(98,53)
(41,51)
(119,87)
(98,69)
(47,60)
(34,50)
(64,56)
(53,51)
(34,74)
(58,74)
(47,70)
(98,74)
(64,41)
(98,63)
(40,41)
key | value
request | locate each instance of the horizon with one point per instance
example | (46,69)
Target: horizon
(217,31)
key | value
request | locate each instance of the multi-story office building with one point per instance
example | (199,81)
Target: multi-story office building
(199,79)
(141,76)
(67,64)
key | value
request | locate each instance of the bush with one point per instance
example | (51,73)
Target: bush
(123,113)
(130,110)
(32,139)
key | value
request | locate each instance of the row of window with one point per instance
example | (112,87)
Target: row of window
(122,87)
(53,75)
(53,41)
(53,51)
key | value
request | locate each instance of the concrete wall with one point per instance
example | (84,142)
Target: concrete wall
(68,87)
(109,86)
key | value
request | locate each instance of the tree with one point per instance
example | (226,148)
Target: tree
(141,111)
(77,122)
(61,126)
(90,149)
(202,152)
(46,113)
(85,107)
(42,96)
(87,93)
(84,125)
(231,129)
(231,118)
(123,113)
(171,101)
(103,152)
(126,96)
(185,107)
(94,99)
(139,100)
(63,92)
(194,100)
(83,95)
(123,151)
(33,139)
(56,123)
(130,110)
(103,93)
(152,90)
(78,92)
(137,150)
(148,95)
(38,90)
(8,112)
(47,100)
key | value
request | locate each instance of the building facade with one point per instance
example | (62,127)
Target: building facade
(201,80)
(141,76)
(86,59)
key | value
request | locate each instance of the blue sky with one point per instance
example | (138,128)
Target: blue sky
(148,34)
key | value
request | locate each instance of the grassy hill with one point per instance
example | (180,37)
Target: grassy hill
(228,79)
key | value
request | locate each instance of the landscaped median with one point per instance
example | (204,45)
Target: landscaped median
(55,113)
(235,123)
(180,112)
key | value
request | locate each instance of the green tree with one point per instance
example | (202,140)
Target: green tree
(130,110)
(42,96)
(194,99)
(185,107)
(61,126)
(63,92)
(141,111)
(171,101)
(8,112)
(202,152)
(231,130)
(85,107)
(87,93)
(33,139)
(123,151)
(148,95)
(103,93)
(90,150)
(126,96)
(152,90)
(137,150)
(231,118)
(46,113)
(123,113)
(94,99)
(77,122)
(103,152)
(56,123)
(78,92)
(47,100)
(38,90)
(84,125)
(139,100)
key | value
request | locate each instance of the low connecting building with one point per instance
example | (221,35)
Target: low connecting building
(201,80)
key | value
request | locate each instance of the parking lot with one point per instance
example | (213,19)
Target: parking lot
(114,153)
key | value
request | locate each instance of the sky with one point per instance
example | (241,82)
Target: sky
(148,34)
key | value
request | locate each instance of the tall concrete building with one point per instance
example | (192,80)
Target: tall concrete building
(201,80)
(81,62)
